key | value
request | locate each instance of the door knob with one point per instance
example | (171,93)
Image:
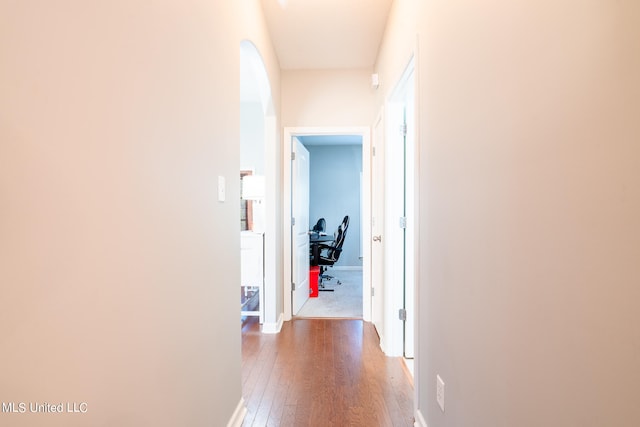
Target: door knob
(377,238)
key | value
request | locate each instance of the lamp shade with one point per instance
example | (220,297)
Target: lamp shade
(253,187)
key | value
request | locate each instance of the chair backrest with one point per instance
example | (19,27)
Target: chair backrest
(345,224)
(321,225)
(334,251)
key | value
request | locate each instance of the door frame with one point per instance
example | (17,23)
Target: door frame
(251,58)
(365,216)
(398,271)
(377,226)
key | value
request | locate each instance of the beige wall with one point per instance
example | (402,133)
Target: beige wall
(118,266)
(530,243)
(397,48)
(327,98)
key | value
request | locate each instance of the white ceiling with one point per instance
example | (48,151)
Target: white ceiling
(319,34)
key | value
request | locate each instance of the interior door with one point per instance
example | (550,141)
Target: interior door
(300,226)
(377,226)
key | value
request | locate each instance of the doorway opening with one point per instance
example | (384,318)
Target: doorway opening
(260,177)
(335,202)
(331,150)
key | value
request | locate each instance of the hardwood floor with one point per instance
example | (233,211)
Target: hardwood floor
(322,372)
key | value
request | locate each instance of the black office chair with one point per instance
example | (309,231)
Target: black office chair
(345,224)
(315,249)
(320,226)
(345,221)
(327,255)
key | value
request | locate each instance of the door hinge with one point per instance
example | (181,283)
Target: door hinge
(373,150)
(293,155)
(403,129)
(373,292)
(293,221)
(402,314)
(403,222)
(293,286)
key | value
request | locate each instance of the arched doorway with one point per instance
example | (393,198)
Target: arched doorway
(259,157)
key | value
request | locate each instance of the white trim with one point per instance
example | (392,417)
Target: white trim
(251,58)
(273,327)
(417,390)
(420,421)
(365,216)
(238,415)
(376,276)
(286,222)
(383,344)
(272,172)
(394,293)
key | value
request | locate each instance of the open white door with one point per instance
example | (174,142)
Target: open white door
(300,226)
(377,227)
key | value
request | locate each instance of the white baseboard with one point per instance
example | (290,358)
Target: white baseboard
(238,415)
(347,267)
(420,422)
(273,327)
(388,350)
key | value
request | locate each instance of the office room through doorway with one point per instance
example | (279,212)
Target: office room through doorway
(336,190)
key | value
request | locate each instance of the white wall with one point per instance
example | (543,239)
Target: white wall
(334,190)
(252,138)
(115,121)
(529,237)
(330,99)
(528,212)
(327,98)
(396,49)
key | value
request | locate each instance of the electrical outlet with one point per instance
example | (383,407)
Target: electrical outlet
(440,392)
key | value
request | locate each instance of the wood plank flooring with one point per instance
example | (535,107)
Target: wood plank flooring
(322,372)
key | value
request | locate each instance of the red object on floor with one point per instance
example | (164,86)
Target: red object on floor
(313,281)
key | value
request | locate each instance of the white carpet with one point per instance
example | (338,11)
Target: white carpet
(344,301)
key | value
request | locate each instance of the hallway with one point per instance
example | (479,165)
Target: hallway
(322,372)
